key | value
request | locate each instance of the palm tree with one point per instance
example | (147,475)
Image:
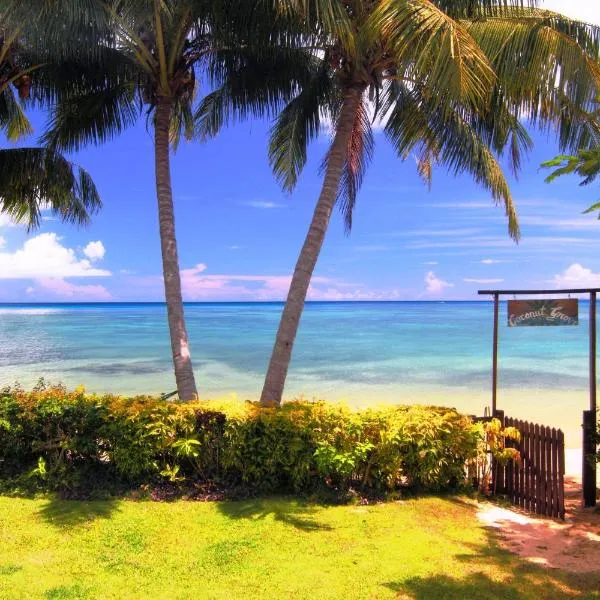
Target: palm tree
(33,179)
(143,61)
(147,59)
(454,81)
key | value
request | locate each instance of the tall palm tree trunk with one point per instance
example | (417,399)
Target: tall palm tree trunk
(290,319)
(184,374)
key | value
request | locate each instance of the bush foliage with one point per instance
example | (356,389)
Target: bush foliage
(72,441)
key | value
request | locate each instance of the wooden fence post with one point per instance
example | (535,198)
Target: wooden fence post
(589,458)
(561,474)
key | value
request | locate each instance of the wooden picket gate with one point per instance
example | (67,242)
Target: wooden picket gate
(536,483)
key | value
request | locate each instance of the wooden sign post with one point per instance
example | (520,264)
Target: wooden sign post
(495,357)
(591,418)
(555,313)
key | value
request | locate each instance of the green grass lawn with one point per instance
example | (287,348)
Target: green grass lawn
(424,548)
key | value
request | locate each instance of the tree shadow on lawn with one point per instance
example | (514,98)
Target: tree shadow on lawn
(516,579)
(286,510)
(66,514)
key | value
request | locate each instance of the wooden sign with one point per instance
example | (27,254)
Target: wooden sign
(543,313)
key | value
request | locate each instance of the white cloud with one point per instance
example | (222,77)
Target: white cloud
(6,221)
(490,261)
(95,251)
(551,244)
(465,205)
(435,285)
(430,262)
(199,268)
(59,288)
(582,224)
(188,197)
(576,276)
(584,10)
(450,232)
(2,242)
(483,241)
(469,280)
(234,247)
(335,294)
(476,204)
(262,204)
(371,248)
(44,256)
(199,285)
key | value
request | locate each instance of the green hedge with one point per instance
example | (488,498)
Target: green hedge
(74,442)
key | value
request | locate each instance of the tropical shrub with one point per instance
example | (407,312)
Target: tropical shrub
(79,443)
(493,451)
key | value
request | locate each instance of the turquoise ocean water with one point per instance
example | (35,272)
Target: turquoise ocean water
(363,353)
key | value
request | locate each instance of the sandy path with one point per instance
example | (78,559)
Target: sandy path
(572,545)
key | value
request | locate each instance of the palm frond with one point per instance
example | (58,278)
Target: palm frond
(59,30)
(331,19)
(563,165)
(586,164)
(36,179)
(12,118)
(449,136)
(439,49)
(593,208)
(547,67)
(425,166)
(253,83)
(183,123)
(297,124)
(80,75)
(92,118)
(474,9)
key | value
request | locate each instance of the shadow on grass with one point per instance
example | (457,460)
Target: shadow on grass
(514,579)
(476,586)
(286,510)
(66,514)
(67,592)
(479,586)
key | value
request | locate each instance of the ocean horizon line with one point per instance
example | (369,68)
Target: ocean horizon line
(245,302)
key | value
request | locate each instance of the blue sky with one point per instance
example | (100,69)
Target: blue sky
(239,234)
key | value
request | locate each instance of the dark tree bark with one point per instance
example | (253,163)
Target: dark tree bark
(182,363)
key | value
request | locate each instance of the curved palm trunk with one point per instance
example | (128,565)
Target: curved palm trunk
(184,374)
(290,319)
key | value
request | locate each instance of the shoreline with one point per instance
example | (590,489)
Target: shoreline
(562,409)
(558,408)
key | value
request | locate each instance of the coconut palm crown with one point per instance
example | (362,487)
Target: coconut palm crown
(454,82)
